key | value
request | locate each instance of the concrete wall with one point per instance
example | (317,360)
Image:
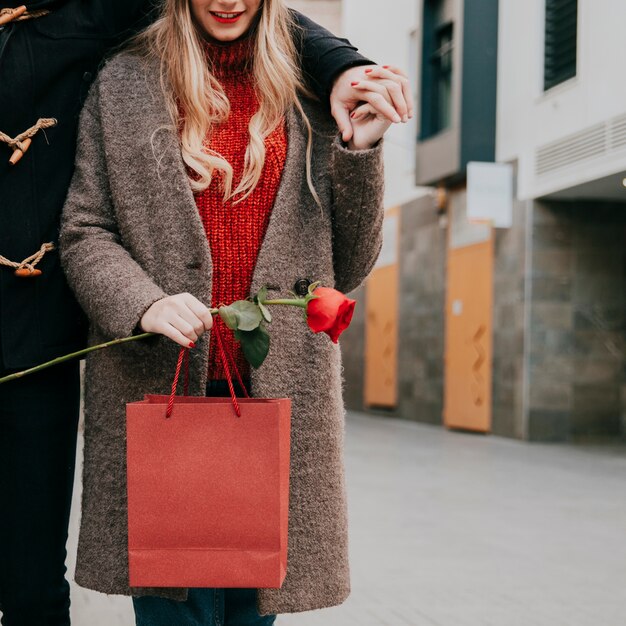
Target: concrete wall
(529,118)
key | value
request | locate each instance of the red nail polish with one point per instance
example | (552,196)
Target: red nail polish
(192,344)
(352,115)
(354,84)
(386,67)
(369,71)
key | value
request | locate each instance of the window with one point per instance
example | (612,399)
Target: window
(437,69)
(561,38)
(442,74)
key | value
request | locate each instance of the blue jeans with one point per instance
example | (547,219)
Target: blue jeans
(204,607)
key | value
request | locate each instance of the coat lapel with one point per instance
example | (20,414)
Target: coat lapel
(164,178)
(275,258)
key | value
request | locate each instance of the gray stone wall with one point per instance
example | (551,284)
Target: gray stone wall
(422,307)
(353,354)
(508,419)
(577,368)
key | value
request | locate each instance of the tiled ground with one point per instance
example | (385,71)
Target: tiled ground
(451,529)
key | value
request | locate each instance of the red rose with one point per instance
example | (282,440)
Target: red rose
(329,312)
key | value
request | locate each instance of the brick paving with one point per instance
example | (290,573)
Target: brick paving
(451,529)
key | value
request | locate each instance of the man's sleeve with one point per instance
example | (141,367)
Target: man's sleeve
(128,17)
(324,56)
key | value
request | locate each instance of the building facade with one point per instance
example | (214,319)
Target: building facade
(562,122)
(324,12)
(517,331)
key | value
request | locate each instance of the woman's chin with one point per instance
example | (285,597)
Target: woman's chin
(224,35)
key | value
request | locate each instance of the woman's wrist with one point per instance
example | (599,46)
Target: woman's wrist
(354,146)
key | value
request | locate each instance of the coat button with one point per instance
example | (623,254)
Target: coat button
(87,76)
(301,288)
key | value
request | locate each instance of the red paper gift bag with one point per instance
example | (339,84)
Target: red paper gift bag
(208,491)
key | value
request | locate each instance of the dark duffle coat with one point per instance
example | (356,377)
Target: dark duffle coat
(131,234)
(47,65)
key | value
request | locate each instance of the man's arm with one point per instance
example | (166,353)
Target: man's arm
(129,17)
(325,56)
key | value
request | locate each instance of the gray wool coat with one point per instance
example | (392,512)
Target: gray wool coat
(131,234)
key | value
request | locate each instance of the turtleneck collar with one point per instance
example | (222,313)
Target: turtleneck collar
(229,58)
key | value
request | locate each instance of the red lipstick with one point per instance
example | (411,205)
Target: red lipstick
(220,17)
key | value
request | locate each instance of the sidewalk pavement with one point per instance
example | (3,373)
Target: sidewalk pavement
(451,529)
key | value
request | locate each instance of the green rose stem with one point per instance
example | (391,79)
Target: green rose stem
(74,355)
(301,303)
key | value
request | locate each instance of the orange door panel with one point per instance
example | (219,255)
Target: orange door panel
(469,305)
(381,323)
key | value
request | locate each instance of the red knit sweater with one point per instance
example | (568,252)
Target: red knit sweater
(235,231)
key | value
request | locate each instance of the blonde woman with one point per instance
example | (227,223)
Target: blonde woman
(204,171)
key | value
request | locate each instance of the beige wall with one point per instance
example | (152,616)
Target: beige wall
(325,12)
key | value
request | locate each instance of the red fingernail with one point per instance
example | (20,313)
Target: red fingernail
(386,67)
(369,71)
(192,344)
(352,115)
(354,84)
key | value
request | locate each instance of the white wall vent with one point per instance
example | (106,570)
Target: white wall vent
(598,140)
(618,133)
(580,146)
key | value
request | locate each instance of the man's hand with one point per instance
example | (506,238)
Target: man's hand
(385,89)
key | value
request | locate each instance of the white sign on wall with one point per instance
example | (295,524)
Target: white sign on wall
(490,193)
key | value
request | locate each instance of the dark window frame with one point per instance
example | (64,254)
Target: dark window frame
(560,42)
(437,71)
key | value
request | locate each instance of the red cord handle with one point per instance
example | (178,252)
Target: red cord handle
(183,357)
(231,362)
(228,361)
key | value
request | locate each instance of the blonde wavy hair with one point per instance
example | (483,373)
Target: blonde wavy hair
(175,42)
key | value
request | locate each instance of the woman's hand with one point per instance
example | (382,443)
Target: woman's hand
(182,318)
(394,101)
(368,124)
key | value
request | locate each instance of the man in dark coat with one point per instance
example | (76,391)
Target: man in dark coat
(50,52)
